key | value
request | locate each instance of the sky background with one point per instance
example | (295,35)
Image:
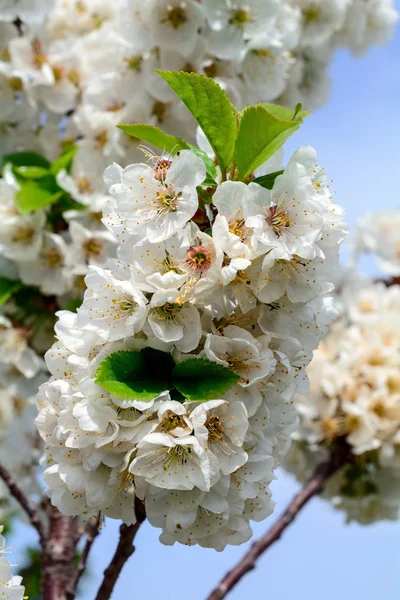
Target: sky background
(357,138)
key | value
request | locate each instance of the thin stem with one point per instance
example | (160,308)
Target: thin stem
(25,503)
(315,485)
(124,550)
(92,530)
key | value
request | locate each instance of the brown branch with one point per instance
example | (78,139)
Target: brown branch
(124,550)
(24,502)
(315,485)
(92,531)
(58,556)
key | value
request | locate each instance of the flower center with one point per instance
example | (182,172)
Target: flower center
(168,311)
(215,429)
(177,454)
(39,55)
(238,228)
(311,14)
(5,55)
(15,84)
(115,106)
(52,258)
(277,219)
(58,72)
(92,247)
(176,16)
(102,138)
(199,258)
(240,17)
(23,235)
(134,62)
(84,185)
(124,306)
(166,201)
(170,422)
(159,110)
(168,264)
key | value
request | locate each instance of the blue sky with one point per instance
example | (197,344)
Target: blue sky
(356,135)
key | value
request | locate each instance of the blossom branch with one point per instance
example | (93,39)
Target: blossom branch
(58,557)
(92,531)
(124,550)
(314,486)
(24,502)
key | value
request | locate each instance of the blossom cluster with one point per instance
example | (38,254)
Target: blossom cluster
(174,381)
(379,234)
(355,395)
(60,81)
(10,585)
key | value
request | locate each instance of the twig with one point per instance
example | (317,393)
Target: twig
(124,550)
(316,484)
(92,531)
(25,503)
(58,556)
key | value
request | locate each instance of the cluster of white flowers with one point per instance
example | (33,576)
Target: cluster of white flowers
(52,254)
(21,372)
(245,292)
(379,234)
(355,395)
(77,70)
(10,585)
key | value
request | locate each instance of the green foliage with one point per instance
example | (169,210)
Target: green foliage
(199,379)
(26,159)
(64,161)
(32,197)
(73,304)
(267,181)
(135,375)
(260,135)
(156,137)
(211,169)
(144,374)
(285,114)
(31,172)
(167,143)
(8,287)
(36,178)
(211,108)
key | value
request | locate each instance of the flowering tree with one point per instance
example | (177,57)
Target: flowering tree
(348,443)
(205,270)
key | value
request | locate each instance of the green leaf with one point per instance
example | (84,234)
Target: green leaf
(209,182)
(8,287)
(31,172)
(64,161)
(209,163)
(73,304)
(135,375)
(285,114)
(167,143)
(26,159)
(260,135)
(32,197)
(200,379)
(154,135)
(211,108)
(267,181)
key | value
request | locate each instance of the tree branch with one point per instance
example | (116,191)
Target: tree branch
(58,556)
(124,550)
(24,502)
(315,485)
(92,531)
